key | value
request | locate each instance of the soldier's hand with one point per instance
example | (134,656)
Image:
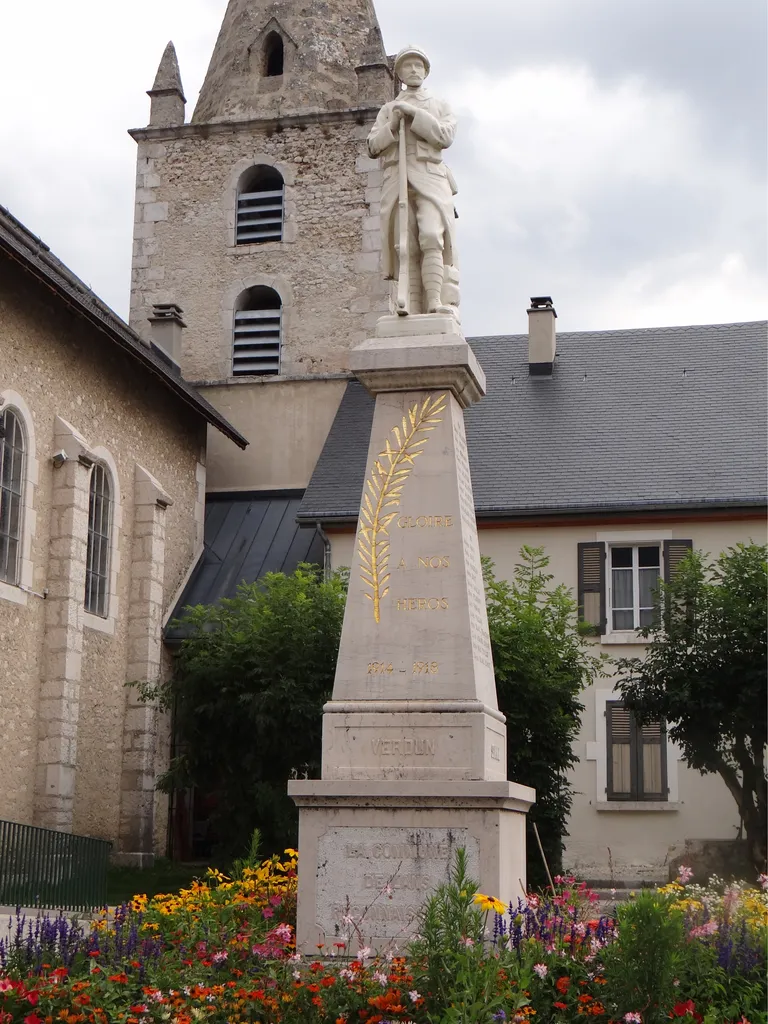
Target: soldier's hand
(404,109)
(395,119)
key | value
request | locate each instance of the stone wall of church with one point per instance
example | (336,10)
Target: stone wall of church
(74,744)
(326,269)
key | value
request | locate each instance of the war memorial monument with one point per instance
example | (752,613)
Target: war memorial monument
(414,746)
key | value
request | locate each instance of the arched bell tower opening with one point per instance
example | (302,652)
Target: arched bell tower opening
(274,55)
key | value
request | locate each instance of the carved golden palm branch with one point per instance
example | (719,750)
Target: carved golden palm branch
(383,491)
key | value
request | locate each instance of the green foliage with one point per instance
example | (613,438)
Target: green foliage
(247,693)
(458,977)
(705,674)
(542,664)
(642,964)
(250,860)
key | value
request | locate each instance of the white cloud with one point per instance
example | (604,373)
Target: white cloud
(604,195)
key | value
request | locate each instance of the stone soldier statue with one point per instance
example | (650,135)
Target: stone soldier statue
(410,135)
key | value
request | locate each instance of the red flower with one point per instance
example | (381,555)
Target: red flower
(32,1018)
(686,1009)
(559,1006)
(33,998)
(563,984)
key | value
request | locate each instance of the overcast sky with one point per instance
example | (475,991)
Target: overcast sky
(611,153)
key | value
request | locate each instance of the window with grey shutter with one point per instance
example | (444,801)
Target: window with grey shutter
(257,333)
(591,583)
(637,756)
(99,542)
(12,471)
(260,206)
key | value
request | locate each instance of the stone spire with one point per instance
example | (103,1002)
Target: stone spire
(167,94)
(274,58)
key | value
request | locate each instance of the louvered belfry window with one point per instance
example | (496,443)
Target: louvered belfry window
(637,764)
(99,542)
(258,333)
(12,456)
(260,207)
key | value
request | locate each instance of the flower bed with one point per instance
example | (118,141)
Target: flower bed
(223,951)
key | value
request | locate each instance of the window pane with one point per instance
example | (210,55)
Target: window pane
(649,579)
(652,769)
(624,619)
(648,556)
(622,772)
(621,588)
(621,558)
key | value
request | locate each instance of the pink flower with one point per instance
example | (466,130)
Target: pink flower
(684,874)
(381,977)
(541,969)
(559,879)
(283,932)
(363,953)
(703,930)
(633,1018)
(763,880)
(466,941)
(267,912)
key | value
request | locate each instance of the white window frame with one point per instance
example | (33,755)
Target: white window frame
(625,539)
(106,624)
(17,592)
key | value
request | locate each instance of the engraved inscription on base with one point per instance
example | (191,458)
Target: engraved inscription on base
(357,865)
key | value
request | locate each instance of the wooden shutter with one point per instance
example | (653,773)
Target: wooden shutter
(592,586)
(622,752)
(652,767)
(674,552)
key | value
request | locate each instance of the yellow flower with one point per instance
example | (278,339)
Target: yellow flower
(490,903)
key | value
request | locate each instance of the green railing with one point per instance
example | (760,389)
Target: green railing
(40,867)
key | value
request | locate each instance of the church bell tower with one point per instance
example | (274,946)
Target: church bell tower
(257,226)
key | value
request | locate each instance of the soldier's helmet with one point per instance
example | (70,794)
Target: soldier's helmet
(411,51)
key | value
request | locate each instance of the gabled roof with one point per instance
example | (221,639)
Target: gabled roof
(246,536)
(667,418)
(18,243)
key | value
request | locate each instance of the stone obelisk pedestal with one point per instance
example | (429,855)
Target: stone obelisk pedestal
(414,746)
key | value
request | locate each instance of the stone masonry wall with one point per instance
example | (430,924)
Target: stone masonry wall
(326,269)
(64,368)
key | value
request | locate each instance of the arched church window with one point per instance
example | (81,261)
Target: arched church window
(273,55)
(100,525)
(12,470)
(260,206)
(258,333)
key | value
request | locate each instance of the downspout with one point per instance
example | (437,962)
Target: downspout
(327,570)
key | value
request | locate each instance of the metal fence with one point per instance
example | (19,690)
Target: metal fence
(40,867)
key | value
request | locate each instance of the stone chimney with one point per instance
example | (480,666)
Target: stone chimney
(542,342)
(167,326)
(168,100)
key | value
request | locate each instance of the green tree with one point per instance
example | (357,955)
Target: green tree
(704,673)
(542,664)
(247,693)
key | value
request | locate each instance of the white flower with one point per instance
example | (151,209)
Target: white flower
(381,977)
(296,975)
(294,958)
(541,969)
(633,1018)
(363,953)
(414,996)
(348,920)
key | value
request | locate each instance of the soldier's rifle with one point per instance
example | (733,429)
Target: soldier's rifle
(403,283)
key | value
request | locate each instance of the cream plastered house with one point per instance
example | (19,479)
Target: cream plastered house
(102,489)
(257,222)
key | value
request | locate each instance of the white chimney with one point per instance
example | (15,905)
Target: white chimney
(167,326)
(542,342)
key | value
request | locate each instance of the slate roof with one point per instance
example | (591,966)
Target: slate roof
(246,536)
(18,242)
(667,418)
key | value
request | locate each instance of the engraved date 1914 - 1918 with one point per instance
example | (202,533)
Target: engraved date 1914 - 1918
(420,668)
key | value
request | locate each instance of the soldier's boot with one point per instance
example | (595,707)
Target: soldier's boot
(432,279)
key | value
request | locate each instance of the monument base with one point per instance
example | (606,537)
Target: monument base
(370,853)
(413,740)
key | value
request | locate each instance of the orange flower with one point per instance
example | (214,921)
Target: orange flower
(563,984)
